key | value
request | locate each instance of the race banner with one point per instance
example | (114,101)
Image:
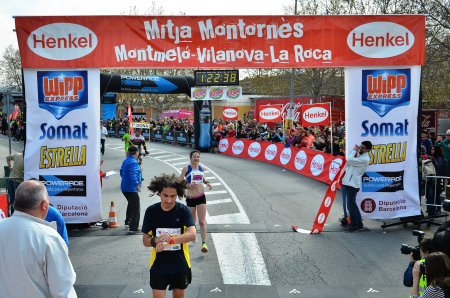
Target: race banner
(316,114)
(216,93)
(269,113)
(312,163)
(63,148)
(3,206)
(382,107)
(230,113)
(328,200)
(268,41)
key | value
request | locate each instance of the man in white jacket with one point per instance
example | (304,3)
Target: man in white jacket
(33,256)
(357,163)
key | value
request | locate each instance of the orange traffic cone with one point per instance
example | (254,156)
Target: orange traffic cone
(112,217)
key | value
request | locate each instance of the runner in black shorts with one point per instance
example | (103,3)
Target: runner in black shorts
(196,200)
(168,227)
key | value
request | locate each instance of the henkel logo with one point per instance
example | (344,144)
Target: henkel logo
(334,168)
(254,149)
(317,164)
(321,218)
(230,113)
(386,89)
(238,147)
(368,205)
(271,152)
(327,202)
(269,113)
(300,160)
(380,40)
(62,41)
(315,115)
(285,155)
(223,145)
(60,92)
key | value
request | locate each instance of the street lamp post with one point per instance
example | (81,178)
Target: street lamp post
(291,102)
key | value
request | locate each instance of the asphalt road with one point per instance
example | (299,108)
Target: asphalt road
(255,194)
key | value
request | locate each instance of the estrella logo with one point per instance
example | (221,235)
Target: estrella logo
(60,92)
(386,89)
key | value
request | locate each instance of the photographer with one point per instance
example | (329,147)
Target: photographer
(425,248)
(438,276)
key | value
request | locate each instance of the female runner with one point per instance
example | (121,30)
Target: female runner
(196,200)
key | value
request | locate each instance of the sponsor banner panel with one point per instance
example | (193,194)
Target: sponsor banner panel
(62,144)
(3,206)
(382,107)
(315,164)
(230,113)
(316,114)
(268,41)
(327,202)
(216,93)
(269,113)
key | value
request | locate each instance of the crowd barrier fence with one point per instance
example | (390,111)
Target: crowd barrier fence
(311,163)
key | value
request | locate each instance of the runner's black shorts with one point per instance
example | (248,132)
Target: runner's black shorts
(190,202)
(174,281)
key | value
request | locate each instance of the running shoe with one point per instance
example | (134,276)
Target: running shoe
(204,247)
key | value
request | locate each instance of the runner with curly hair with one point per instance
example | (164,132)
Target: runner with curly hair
(168,227)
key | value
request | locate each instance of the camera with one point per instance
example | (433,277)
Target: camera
(406,249)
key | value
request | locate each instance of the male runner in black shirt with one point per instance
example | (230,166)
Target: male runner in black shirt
(168,227)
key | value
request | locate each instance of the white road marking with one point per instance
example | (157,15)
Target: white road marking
(215,192)
(158,152)
(220,201)
(216,184)
(175,159)
(208,178)
(180,163)
(115,148)
(205,172)
(164,156)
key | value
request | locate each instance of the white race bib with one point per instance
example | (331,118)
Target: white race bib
(173,233)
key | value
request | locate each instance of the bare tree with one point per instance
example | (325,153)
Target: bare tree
(11,69)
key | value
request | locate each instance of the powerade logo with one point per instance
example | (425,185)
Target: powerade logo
(60,92)
(386,89)
(64,185)
(382,181)
(158,134)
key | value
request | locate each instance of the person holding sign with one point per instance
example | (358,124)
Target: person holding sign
(168,227)
(196,200)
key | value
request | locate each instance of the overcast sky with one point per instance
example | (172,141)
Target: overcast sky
(9,8)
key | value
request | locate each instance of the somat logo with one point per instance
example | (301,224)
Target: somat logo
(60,92)
(380,40)
(386,89)
(223,145)
(254,149)
(271,152)
(62,41)
(238,147)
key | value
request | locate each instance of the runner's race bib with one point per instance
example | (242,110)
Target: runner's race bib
(173,233)
(197,177)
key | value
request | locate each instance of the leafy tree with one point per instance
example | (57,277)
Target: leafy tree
(11,69)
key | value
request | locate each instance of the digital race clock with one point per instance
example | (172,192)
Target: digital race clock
(216,77)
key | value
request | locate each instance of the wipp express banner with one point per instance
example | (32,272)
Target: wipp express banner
(220,41)
(382,107)
(62,149)
(315,164)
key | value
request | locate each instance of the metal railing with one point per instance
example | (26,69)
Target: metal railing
(436,202)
